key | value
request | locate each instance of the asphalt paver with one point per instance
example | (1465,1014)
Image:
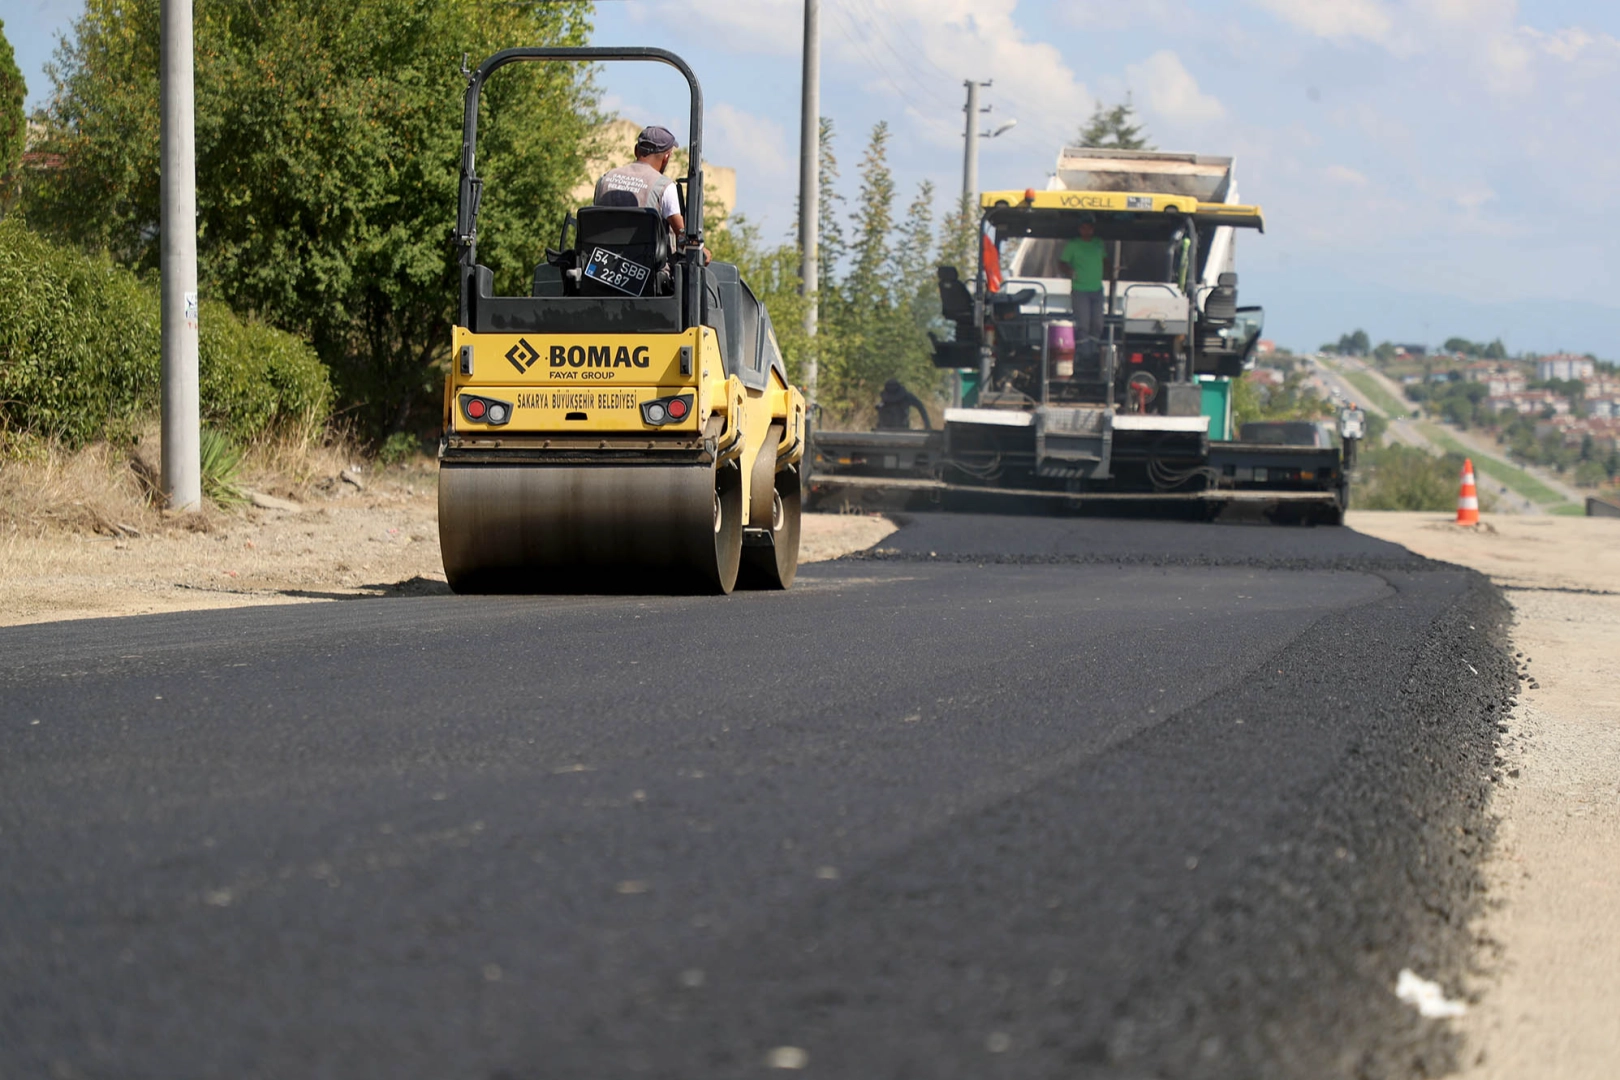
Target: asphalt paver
(1016,797)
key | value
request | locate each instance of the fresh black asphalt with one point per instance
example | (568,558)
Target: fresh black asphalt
(1006,797)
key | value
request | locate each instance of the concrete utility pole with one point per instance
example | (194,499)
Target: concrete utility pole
(810,184)
(970,154)
(181,469)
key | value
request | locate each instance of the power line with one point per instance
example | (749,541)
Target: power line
(926,58)
(905,65)
(875,62)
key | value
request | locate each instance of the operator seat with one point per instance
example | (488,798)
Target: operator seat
(635,233)
(956,306)
(1220,306)
(955,302)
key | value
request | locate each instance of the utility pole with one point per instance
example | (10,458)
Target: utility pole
(181,471)
(970,154)
(810,185)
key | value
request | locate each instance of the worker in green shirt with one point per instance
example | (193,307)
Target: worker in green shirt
(1083,258)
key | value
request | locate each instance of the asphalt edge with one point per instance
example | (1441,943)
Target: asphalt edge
(1387,874)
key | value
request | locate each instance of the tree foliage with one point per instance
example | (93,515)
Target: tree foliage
(79,353)
(877,297)
(1355,343)
(876,315)
(328,138)
(1114,127)
(13,124)
(1293,400)
(1397,477)
(1492,350)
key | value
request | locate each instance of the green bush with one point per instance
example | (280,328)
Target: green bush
(80,343)
(399,447)
(1400,477)
(221,467)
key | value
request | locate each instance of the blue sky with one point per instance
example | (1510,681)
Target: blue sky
(1428,167)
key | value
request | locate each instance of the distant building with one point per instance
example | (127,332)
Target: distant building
(1564,367)
(1601,396)
(1511,382)
(35,158)
(1529,403)
(1411,350)
(1265,347)
(1601,386)
(1573,431)
(1499,376)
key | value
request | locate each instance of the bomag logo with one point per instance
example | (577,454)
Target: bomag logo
(599,356)
(522,355)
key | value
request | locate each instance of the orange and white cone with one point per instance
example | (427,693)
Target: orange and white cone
(1468,497)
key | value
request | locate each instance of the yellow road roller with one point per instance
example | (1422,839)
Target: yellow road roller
(629,425)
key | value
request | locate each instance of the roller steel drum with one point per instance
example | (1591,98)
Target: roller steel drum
(505,528)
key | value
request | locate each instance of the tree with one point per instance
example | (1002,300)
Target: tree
(772,273)
(1462,346)
(830,232)
(328,139)
(877,298)
(1590,474)
(959,238)
(1111,127)
(1495,350)
(13,124)
(1356,343)
(876,318)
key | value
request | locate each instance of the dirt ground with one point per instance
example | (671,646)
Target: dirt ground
(1549,1004)
(356,531)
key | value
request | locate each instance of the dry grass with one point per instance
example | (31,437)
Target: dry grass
(99,490)
(290,465)
(82,534)
(107,489)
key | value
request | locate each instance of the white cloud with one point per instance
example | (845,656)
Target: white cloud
(1336,19)
(1344,174)
(751,144)
(917,54)
(1489,13)
(772,26)
(1171,93)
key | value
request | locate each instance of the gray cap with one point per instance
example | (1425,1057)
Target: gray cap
(654,140)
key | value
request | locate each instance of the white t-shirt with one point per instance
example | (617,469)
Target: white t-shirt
(670,203)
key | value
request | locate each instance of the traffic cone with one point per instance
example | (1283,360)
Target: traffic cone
(1468,497)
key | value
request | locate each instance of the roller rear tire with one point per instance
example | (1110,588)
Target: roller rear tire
(770,560)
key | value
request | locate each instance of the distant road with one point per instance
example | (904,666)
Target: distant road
(1401,427)
(1513,488)
(1017,797)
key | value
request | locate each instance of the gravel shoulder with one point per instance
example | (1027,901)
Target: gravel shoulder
(374,535)
(1549,997)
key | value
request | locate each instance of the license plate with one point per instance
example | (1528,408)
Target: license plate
(617,272)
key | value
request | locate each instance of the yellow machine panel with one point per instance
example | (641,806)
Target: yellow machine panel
(1233,214)
(565,408)
(580,359)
